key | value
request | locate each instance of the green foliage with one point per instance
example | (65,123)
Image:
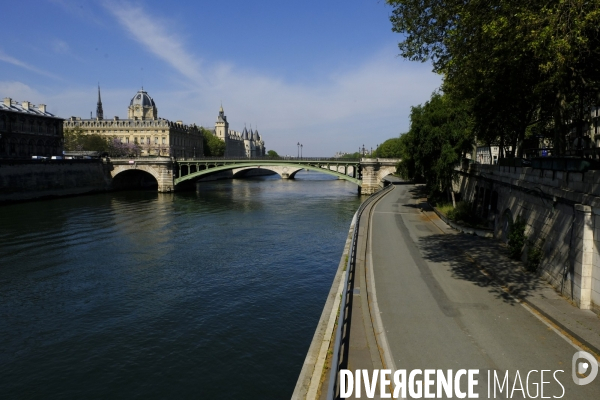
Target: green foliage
(76,140)
(272,154)
(513,63)
(391,148)
(354,156)
(516,238)
(534,256)
(462,212)
(213,146)
(445,208)
(440,133)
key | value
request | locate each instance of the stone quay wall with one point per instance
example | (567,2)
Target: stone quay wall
(31,179)
(562,214)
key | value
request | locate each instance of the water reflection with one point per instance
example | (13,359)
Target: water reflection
(140,294)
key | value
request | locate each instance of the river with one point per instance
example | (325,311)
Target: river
(209,294)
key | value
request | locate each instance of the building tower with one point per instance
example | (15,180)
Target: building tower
(99,111)
(222,126)
(142,107)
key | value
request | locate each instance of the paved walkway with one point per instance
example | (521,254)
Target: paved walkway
(436,299)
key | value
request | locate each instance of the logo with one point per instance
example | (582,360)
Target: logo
(584,363)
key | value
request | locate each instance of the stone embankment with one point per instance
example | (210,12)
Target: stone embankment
(561,210)
(33,179)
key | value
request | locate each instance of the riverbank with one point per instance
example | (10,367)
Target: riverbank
(26,180)
(38,179)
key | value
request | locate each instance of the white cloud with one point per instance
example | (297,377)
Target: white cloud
(19,91)
(11,60)
(366,103)
(370,102)
(155,37)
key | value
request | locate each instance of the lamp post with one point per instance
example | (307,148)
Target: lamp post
(301,150)
(298,156)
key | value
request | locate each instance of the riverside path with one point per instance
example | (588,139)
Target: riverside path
(426,297)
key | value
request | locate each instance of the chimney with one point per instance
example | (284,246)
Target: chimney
(42,108)
(26,105)
(180,122)
(7,101)
(116,118)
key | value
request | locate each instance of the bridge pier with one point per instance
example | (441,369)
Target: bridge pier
(373,172)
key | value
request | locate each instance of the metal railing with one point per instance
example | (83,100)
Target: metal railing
(350,267)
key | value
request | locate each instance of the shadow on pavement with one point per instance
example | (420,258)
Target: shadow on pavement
(451,249)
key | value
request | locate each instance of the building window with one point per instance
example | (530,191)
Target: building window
(155,140)
(164,140)
(127,140)
(135,139)
(147,140)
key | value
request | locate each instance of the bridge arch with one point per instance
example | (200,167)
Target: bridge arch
(130,178)
(282,169)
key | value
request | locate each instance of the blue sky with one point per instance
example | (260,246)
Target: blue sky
(324,73)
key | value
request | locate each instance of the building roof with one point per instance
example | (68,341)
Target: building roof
(142,98)
(25,107)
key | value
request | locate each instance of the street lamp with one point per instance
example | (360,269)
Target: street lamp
(298,150)
(301,150)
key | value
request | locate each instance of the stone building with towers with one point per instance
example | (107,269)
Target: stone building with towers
(154,136)
(239,144)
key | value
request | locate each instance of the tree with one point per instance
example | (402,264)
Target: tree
(391,148)
(213,146)
(118,149)
(272,154)
(440,134)
(514,63)
(351,156)
(77,140)
(73,139)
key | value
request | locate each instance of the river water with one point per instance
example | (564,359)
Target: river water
(209,294)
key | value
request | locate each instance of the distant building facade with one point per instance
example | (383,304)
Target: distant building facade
(153,135)
(238,144)
(27,130)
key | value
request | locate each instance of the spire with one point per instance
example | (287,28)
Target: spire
(99,112)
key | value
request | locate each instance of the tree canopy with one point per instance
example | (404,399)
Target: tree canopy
(522,67)
(213,146)
(76,140)
(391,148)
(440,134)
(272,154)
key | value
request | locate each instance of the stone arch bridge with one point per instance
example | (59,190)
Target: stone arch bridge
(171,174)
